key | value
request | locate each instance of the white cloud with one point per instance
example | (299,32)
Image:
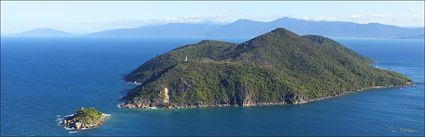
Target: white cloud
(87,27)
(369,18)
(219,19)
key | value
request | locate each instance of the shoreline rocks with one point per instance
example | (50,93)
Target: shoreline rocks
(147,104)
(84,118)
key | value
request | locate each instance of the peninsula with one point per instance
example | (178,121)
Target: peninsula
(278,67)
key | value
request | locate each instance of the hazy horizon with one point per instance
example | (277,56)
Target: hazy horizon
(187,23)
(80,18)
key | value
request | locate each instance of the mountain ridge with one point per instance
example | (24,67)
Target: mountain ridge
(42,32)
(250,28)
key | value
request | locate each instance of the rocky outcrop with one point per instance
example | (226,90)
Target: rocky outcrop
(164,96)
(249,101)
(84,118)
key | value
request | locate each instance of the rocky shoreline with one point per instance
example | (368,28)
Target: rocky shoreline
(298,100)
(81,120)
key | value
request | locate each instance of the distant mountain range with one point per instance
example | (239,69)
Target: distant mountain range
(249,28)
(41,32)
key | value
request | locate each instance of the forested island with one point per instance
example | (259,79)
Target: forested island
(278,67)
(84,118)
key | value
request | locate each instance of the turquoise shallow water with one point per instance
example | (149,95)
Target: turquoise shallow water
(45,77)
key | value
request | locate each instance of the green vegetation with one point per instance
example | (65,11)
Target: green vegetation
(88,116)
(275,67)
(84,118)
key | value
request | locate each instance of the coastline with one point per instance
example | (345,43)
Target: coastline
(70,124)
(296,102)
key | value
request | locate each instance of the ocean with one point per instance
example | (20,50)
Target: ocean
(44,78)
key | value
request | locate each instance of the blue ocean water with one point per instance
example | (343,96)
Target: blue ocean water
(45,77)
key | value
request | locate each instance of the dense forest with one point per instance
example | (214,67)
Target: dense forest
(278,67)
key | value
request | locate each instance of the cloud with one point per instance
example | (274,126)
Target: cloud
(83,27)
(370,18)
(416,11)
(219,19)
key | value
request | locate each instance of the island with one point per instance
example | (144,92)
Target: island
(84,118)
(278,67)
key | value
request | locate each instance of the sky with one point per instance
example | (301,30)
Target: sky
(84,17)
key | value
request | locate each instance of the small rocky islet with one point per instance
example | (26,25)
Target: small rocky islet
(278,67)
(84,118)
